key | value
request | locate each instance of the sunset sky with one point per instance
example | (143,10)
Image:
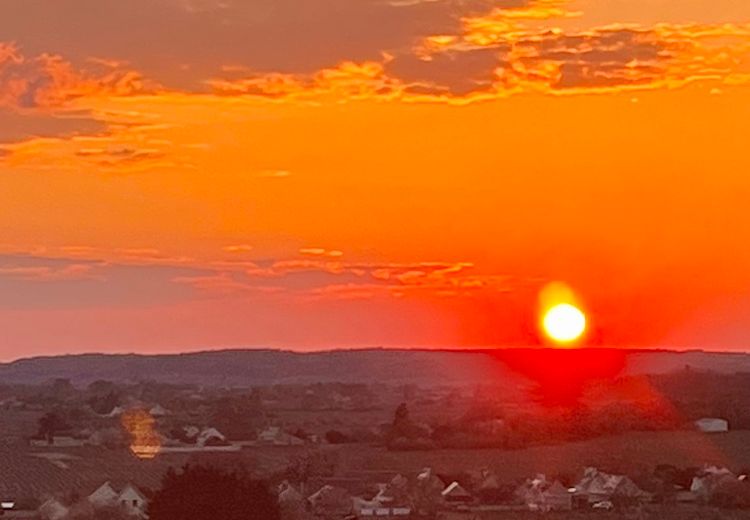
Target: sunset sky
(190,174)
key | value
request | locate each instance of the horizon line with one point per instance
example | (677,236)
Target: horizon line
(376,348)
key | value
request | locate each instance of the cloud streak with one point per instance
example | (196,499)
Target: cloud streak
(48,81)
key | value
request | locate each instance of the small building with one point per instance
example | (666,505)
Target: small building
(104,496)
(427,479)
(53,509)
(132,500)
(539,494)
(597,486)
(558,497)
(712,425)
(117,411)
(391,501)
(373,509)
(129,498)
(708,480)
(275,436)
(158,411)
(210,437)
(455,493)
(291,502)
(331,502)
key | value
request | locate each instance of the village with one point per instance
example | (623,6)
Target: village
(479,495)
(349,451)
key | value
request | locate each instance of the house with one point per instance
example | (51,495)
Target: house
(291,502)
(331,503)
(374,509)
(709,480)
(104,496)
(191,431)
(598,486)
(558,497)
(133,501)
(53,509)
(288,494)
(210,437)
(115,412)
(487,481)
(128,497)
(275,436)
(395,492)
(158,411)
(712,425)
(538,494)
(428,492)
(427,479)
(391,501)
(455,493)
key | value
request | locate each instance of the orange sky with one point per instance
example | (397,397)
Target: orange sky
(184,174)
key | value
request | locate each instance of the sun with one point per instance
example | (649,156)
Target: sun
(564,323)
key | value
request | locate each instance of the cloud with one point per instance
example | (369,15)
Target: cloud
(516,49)
(49,81)
(224,283)
(238,248)
(55,279)
(180,42)
(47,113)
(88,277)
(470,51)
(49,273)
(127,142)
(82,254)
(324,278)
(16,125)
(348,80)
(547,59)
(319,251)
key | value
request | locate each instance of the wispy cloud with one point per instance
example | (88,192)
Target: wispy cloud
(50,82)
(238,248)
(51,273)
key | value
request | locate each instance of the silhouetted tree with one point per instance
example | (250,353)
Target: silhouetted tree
(311,464)
(103,404)
(337,437)
(50,424)
(403,430)
(239,417)
(206,493)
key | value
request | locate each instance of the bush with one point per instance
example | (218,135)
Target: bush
(204,493)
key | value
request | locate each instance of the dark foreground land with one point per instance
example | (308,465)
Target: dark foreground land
(354,421)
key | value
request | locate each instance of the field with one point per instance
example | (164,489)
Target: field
(83,469)
(628,453)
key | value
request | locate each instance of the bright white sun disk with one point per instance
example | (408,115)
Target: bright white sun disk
(564,323)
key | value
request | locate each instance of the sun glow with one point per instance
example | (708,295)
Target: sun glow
(561,316)
(564,323)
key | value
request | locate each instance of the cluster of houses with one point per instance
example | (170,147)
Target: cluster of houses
(429,495)
(187,438)
(127,499)
(425,495)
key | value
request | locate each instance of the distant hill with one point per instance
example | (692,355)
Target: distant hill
(253,367)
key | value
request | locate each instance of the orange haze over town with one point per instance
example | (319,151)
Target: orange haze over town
(190,174)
